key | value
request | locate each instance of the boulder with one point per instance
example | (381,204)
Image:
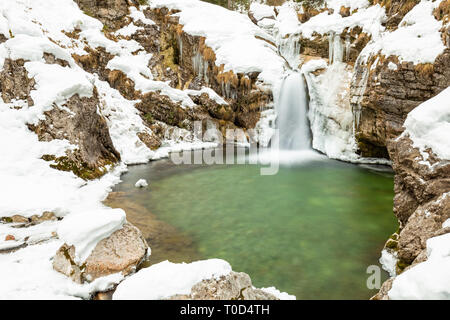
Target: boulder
(123,251)
(234,286)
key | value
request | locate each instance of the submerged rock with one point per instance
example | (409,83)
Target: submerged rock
(123,251)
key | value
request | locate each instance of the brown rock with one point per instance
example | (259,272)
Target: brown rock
(9,237)
(19,219)
(109,12)
(383,293)
(14,82)
(85,128)
(419,203)
(46,216)
(235,286)
(382,98)
(123,251)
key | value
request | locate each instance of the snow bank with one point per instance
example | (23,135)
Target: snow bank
(261,11)
(417,39)
(167,279)
(428,125)
(352,4)
(428,280)
(28,274)
(368,18)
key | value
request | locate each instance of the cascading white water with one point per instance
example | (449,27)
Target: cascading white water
(292,114)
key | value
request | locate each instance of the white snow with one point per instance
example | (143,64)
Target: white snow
(167,279)
(261,11)
(446,224)
(430,279)
(417,38)
(30,186)
(28,274)
(138,15)
(85,229)
(428,125)
(352,4)
(277,293)
(388,261)
(141,183)
(392,66)
(369,19)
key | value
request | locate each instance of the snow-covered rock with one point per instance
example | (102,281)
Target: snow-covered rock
(141,183)
(200,280)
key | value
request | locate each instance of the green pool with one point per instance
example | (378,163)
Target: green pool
(310,230)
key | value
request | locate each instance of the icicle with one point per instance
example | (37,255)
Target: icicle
(347,48)
(180,46)
(205,71)
(330,48)
(199,65)
(335,48)
(359,94)
(289,48)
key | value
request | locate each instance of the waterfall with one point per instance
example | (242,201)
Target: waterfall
(292,114)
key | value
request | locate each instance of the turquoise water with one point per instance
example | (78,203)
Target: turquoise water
(310,230)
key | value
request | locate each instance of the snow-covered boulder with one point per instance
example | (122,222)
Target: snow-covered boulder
(123,251)
(200,280)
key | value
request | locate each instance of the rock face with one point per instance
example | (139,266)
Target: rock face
(190,63)
(86,128)
(417,202)
(107,11)
(420,204)
(14,82)
(234,286)
(382,97)
(123,251)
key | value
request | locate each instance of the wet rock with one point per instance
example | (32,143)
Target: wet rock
(123,251)
(234,286)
